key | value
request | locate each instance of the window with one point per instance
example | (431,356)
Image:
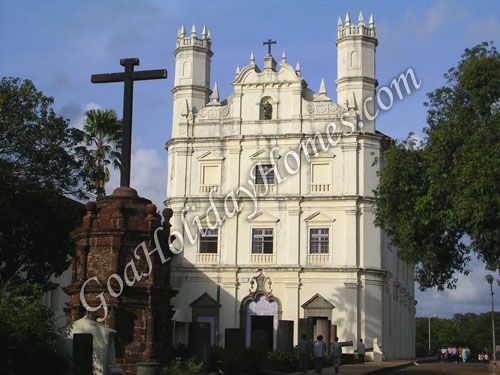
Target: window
(319,241)
(262,241)
(264,174)
(208,241)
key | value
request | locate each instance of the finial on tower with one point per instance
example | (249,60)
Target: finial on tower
(237,72)
(297,70)
(193,30)
(215,94)
(361,20)
(252,58)
(371,22)
(322,87)
(283,57)
(339,23)
(182,31)
(204,33)
(347,20)
(209,34)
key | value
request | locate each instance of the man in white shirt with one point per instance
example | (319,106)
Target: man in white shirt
(319,354)
(361,352)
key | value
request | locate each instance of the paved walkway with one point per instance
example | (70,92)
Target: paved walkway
(449,369)
(367,368)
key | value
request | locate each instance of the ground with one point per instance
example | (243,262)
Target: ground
(390,368)
(447,368)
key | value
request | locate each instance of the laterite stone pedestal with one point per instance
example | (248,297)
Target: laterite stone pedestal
(113,229)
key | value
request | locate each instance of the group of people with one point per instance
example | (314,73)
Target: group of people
(320,351)
(455,354)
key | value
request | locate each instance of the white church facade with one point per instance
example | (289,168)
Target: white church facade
(280,178)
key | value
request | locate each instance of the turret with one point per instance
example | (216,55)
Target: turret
(191,90)
(356,81)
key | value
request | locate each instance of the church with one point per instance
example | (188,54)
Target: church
(272,194)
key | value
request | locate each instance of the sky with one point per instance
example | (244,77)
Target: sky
(58,44)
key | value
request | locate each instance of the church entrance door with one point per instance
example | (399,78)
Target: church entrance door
(261,320)
(262,332)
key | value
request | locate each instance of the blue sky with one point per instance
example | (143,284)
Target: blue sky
(59,44)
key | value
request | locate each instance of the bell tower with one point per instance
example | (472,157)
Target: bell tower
(192,74)
(356,82)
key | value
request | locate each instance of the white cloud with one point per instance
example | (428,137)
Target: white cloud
(471,295)
(80,119)
(439,15)
(148,175)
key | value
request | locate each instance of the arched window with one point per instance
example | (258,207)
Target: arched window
(266,108)
(354,60)
(186,69)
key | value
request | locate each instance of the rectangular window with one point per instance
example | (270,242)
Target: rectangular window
(264,174)
(262,241)
(209,239)
(319,241)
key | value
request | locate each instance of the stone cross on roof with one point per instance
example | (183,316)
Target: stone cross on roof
(269,43)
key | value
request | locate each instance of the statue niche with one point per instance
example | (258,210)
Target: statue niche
(266,108)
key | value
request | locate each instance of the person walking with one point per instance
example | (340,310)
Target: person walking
(304,354)
(453,353)
(361,352)
(336,354)
(464,354)
(319,354)
(444,353)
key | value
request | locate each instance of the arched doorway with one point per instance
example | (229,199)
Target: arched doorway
(262,323)
(260,314)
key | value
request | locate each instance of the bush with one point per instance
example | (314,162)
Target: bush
(240,362)
(184,367)
(282,361)
(29,341)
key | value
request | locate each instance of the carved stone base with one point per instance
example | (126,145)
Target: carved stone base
(108,243)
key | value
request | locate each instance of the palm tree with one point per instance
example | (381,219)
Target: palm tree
(102,135)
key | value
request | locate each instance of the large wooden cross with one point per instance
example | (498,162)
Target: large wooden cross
(128,77)
(269,43)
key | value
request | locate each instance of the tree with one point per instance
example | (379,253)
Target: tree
(102,134)
(41,169)
(439,200)
(37,147)
(29,341)
(471,330)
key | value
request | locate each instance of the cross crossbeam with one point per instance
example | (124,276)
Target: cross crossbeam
(128,77)
(269,43)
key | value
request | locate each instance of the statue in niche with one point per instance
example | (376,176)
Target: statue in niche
(267,111)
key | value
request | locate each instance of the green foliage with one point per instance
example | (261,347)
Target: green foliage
(282,361)
(29,341)
(34,234)
(240,362)
(183,367)
(39,166)
(37,147)
(102,136)
(471,330)
(439,200)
